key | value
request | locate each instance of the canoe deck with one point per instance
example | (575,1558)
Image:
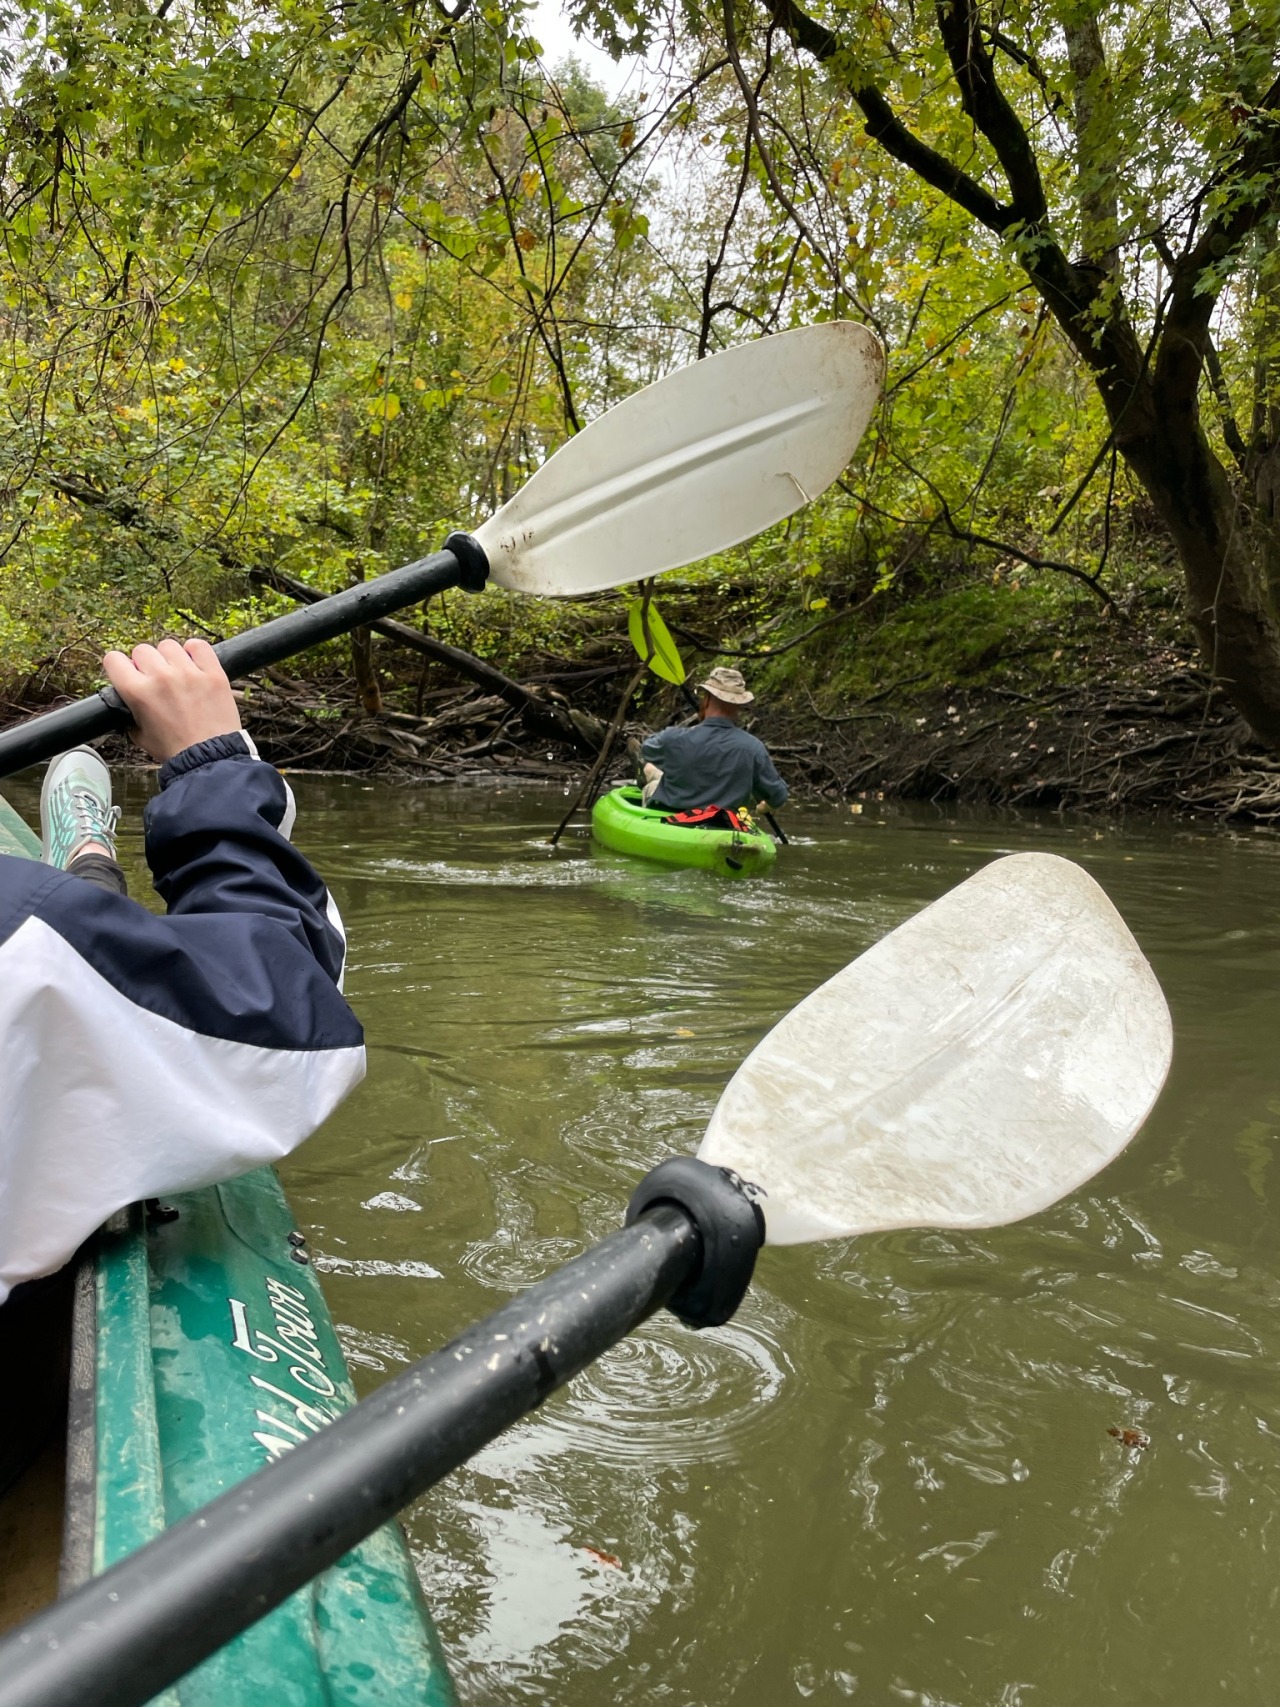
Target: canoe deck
(622,823)
(215,1353)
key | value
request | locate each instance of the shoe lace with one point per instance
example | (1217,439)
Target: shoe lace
(93,824)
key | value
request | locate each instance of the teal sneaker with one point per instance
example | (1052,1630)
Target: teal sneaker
(75,807)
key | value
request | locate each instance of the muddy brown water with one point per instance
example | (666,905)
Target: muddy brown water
(891,1478)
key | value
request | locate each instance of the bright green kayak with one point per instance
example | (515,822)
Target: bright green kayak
(619,821)
(202,1347)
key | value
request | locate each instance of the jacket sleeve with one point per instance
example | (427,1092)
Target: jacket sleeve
(767,783)
(151,1055)
(651,748)
(217,840)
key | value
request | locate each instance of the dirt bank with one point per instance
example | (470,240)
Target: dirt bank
(979,693)
(1160,740)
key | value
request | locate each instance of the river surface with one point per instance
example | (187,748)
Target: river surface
(890,1479)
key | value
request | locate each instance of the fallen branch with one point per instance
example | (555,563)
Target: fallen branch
(587,791)
(541,714)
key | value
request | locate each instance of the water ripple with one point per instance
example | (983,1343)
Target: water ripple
(508,1264)
(647,1400)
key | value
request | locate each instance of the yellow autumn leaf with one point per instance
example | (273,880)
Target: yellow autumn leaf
(404,299)
(419,384)
(683,1031)
(385,408)
(177,365)
(526,239)
(529,182)
(295,172)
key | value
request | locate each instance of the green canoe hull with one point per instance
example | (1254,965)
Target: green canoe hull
(202,1347)
(620,822)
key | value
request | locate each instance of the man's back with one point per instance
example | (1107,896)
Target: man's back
(714,763)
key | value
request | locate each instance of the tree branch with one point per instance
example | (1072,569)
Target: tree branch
(984,101)
(1183,350)
(1230,427)
(1109,347)
(885,127)
(541,713)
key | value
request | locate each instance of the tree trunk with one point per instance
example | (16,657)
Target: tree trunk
(367,683)
(1223,550)
(1094,121)
(1229,551)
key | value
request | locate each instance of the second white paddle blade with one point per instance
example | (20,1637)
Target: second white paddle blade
(710,455)
(978,1063)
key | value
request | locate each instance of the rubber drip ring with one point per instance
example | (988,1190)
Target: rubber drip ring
(472,560)
(730,1226)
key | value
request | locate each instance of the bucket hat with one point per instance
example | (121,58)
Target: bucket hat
(727,685)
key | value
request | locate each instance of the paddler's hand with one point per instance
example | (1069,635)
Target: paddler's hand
(178,694)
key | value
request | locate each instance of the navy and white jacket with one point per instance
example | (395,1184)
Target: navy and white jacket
(145,1055)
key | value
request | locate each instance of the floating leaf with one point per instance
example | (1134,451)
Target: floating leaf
(1133,1438)
(660,651)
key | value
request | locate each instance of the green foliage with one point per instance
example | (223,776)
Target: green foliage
(307,289)
(652,640)
(309,286)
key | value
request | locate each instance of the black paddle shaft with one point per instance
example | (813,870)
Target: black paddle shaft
(462,563)
(139,1626)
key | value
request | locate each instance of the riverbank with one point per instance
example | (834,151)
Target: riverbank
(993,691)
(1159,737)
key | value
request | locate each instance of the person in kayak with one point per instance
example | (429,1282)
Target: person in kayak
(146,1055)
(715,762)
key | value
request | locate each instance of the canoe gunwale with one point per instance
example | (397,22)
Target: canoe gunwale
(80,1513)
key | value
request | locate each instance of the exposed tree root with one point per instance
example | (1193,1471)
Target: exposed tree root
(1158,736)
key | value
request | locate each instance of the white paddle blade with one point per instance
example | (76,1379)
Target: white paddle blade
(980,1062)
(708,456)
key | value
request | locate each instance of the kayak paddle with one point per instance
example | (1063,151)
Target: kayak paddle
(980,1062)
(695,463)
